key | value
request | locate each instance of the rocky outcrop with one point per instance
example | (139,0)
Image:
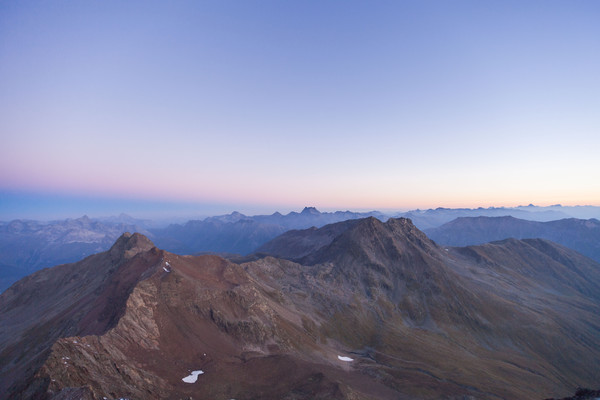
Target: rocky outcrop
(87,297)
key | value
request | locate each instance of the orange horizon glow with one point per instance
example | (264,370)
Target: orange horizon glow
(216,107)
(321,201)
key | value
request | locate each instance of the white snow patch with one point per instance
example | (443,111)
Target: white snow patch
(166,270)
(167,264)
(342,358)
(193,377)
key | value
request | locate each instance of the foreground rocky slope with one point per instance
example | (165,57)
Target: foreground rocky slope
(514,319)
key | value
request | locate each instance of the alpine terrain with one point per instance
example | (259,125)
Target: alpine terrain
(359,309)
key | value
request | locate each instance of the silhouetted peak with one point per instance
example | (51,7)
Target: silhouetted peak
(310,210)
(403,225)
(128,245)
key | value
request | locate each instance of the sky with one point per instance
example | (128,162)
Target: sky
(206,107)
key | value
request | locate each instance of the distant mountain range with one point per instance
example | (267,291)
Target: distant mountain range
(580,235)
(27,246)
(360,309)
(432,218)
(241,234)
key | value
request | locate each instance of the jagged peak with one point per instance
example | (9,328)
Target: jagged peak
(310,210)
(405,223)
(409,230)
(401,229)
(128,245)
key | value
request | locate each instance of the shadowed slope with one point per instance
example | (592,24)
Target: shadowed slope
(514,306)
(295,244)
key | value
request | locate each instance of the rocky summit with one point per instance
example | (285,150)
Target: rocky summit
(355,310)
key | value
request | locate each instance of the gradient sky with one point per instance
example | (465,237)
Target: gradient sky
(274,105)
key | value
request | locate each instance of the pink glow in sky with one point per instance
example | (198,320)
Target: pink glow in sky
(355,105)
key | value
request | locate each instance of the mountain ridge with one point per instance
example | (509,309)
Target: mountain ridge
(511,319)
(26,245)
(580,235)
(65,293)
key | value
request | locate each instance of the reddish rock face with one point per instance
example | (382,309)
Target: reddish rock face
(417,320)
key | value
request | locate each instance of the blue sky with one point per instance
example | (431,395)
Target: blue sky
(266,105)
